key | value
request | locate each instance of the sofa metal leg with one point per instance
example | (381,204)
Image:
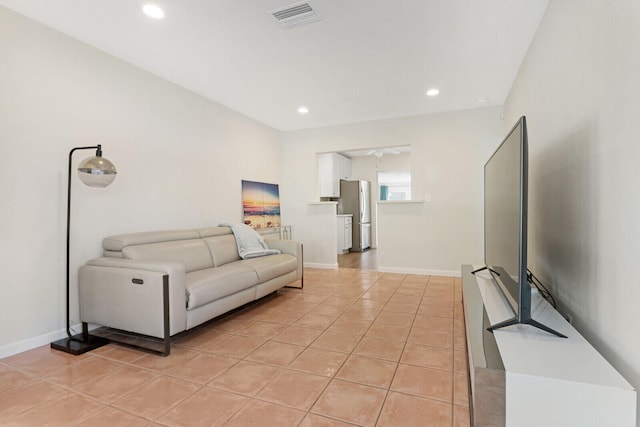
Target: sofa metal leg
(167,326)
(301,262)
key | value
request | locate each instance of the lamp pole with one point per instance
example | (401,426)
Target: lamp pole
(95,172)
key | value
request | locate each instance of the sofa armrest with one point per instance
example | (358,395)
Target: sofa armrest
(292,247)
(128,294)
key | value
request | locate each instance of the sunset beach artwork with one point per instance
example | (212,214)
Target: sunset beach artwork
(261,204)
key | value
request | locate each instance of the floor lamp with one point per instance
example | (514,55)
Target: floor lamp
(95,171)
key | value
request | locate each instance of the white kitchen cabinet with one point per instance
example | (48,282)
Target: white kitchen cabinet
(344,167)
(332,167)
(345,232)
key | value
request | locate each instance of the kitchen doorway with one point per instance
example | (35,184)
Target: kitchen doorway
(366,260)
(394,166)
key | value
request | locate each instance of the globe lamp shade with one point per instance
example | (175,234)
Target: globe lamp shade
(97,171)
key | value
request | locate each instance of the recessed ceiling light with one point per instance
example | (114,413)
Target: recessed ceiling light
(153,11)
(433,92)
(482,100)
(303,110)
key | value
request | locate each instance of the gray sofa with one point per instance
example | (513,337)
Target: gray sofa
(162,283)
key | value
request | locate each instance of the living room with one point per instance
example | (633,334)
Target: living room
(181,158)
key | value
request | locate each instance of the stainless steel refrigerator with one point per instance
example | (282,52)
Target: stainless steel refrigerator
(355,199)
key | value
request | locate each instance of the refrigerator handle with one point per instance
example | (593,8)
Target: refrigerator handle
(362,206)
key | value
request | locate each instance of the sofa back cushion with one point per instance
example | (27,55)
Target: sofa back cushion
(213,231)
(224,249)
(118,242)
(193,253)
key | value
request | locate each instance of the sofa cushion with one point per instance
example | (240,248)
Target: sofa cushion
(193,254)
(271,266)
(224,249)
(208,285)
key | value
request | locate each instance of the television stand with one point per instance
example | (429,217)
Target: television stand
(522,377)
(478,270)
(515,321)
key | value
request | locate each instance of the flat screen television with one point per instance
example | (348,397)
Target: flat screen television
(505,224)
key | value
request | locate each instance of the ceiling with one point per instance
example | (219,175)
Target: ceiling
(363,60)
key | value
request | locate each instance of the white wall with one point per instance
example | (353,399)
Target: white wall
(579,87)
(179,156)
(448,152)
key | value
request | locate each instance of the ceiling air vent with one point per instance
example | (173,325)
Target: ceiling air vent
(295,15)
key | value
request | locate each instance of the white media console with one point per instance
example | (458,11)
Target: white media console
(522,376)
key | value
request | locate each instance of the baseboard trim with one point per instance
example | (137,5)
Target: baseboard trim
(31,343)
(321,265)
(421,271)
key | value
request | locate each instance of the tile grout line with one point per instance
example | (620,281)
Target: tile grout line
(388,390)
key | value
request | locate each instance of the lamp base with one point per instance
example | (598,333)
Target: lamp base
(77,345)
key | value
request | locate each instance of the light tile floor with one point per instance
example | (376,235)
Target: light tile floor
(353,347)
